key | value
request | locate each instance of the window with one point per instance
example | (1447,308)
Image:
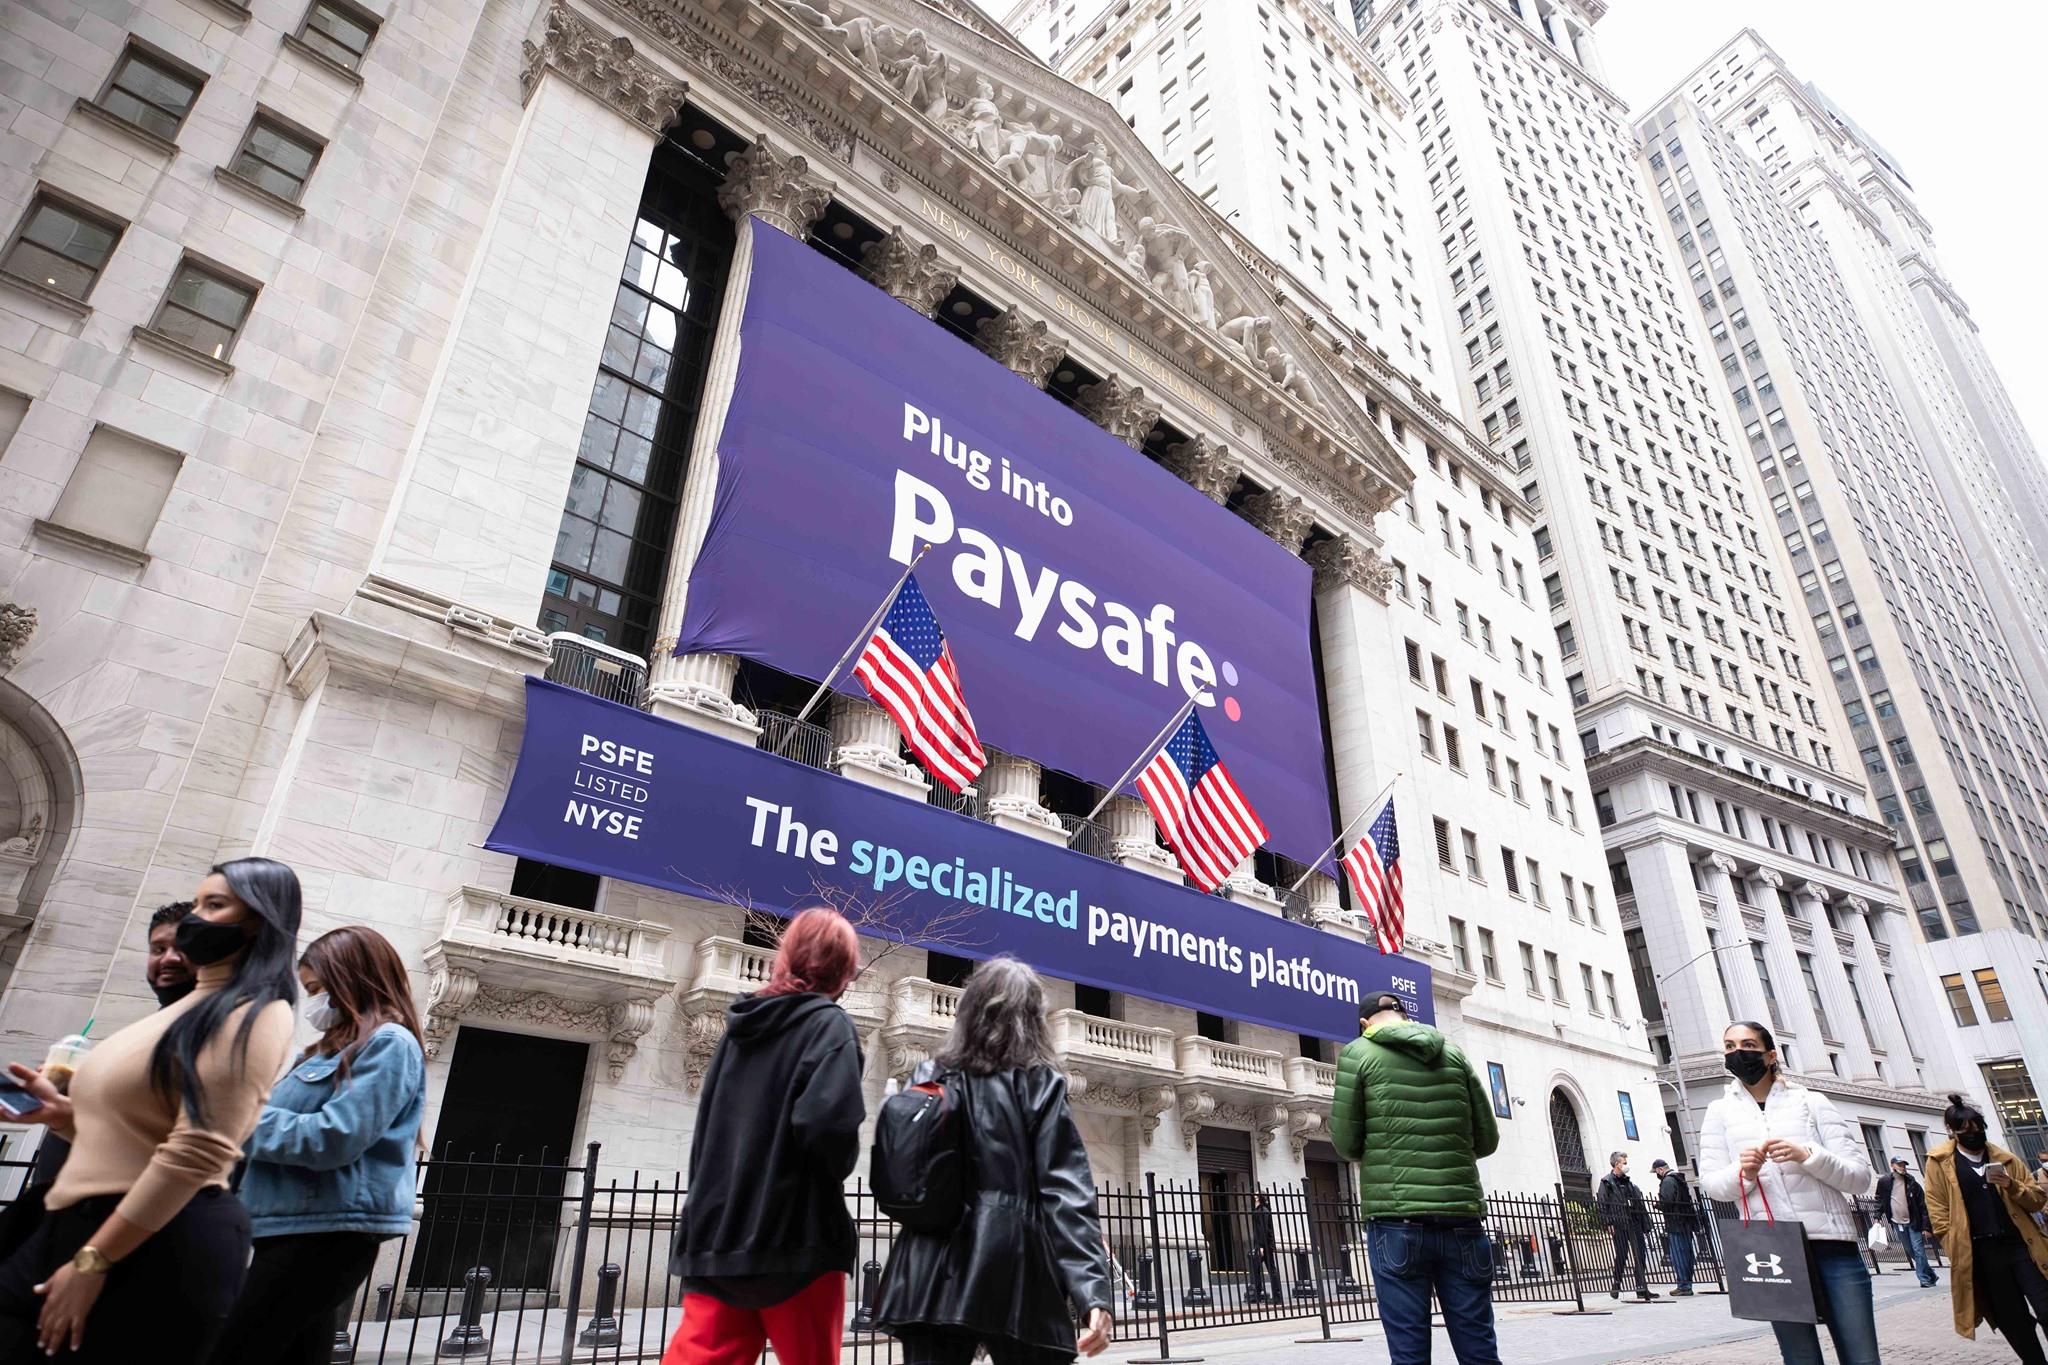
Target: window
(277,158)
(1613,995)
(1443,842)
(1959,1000)
(1820,1011)
(204,309)
(1529,981)
(1425,734)
(151,91)
(1873,1143)
(341,33)
(1592,996)
(61,247)
(1554,976)
(1454,753)
(1763,976)
(1507,867)
(1996,1010)
(117,490)
(1488,962)
(1471,845)
(1461,955)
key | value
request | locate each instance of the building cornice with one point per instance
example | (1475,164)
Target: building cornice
(1645,755)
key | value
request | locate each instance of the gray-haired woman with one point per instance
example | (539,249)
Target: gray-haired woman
(1029,1245)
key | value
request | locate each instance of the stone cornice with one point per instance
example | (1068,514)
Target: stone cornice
(1644,755)
(603,65)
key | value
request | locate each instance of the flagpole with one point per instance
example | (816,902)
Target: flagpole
(1371,808)
(866,632)
(1143,758)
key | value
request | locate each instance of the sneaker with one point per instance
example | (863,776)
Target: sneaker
(1681,1293)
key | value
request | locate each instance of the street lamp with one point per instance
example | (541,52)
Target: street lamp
(1677,1058)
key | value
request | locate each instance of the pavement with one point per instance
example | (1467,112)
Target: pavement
(1913,1325)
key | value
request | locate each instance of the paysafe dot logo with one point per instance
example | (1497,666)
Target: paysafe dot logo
(1773,1266)
(1230,706)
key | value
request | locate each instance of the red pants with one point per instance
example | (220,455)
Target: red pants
(805,1330)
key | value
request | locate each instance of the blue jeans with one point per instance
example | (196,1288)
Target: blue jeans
(1852,1322)
(1916,1247)
(1409,1260)
(1679,1243)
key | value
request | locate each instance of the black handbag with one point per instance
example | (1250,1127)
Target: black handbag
(1771,1271)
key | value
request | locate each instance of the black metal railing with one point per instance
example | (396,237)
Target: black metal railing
(808,744)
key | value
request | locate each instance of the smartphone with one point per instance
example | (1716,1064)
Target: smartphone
(16,1100)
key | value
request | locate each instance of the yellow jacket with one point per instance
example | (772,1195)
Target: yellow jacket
(2023,1199)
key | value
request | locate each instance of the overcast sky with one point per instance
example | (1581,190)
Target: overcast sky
(1951,92)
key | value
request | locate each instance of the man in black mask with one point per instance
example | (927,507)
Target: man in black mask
(170,978)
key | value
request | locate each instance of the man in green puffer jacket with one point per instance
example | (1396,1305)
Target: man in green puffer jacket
(1412,1114)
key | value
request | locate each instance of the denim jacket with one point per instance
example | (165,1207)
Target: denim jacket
(339,1159)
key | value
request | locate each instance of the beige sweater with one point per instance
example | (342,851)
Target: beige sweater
(128,1139)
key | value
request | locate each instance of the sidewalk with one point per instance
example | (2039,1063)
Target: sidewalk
(1913,1324)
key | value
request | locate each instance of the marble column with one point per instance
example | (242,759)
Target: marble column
(1134,839)
(910,273)
(1696,1009)
(1009,798)
(868,748)
(1244,887)
(1281,515)
(475,516)
(1022,344)
(1834,987)
(1877,997)
(1209,467)
(1350,583)
(1123,410)
(696,689)
(1794,1016)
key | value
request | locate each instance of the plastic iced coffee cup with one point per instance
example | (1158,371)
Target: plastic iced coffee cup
(61,1063)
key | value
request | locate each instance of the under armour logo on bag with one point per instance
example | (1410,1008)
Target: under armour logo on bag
(1766,1265)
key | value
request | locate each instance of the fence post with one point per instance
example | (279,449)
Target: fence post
(604,1322)
(1319,1281)
(870,1290)
(1571,1263)
(1158,1254)
(1197,1292)
(576,1260)
(468,1338)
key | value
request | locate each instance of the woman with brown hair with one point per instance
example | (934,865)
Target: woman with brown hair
(331,1162)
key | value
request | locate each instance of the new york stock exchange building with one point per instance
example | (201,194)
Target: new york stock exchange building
(447,441)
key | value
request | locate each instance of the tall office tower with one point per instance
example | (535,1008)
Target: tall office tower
(1753,882)
(1855,198)
(1947,735)
(1308,155)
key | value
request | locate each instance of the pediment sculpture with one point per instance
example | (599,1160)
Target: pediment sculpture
(1079,181)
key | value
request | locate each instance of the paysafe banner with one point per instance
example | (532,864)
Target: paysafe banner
(614,791)
(1086,591)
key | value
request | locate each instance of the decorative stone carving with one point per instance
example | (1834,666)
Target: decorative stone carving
(1303,1127)
(1123,410)
(1856,905)
(449,994)
(1723,862)
(1145,1104)
(605,66)
(25,842)
(455,993)
(908,273)
(1197,1107)
(1345,561)
(1208,466)
(776,187)
(700,1040)
(1267,1120)
(17,627)
(1281,515)
(1023,346)
(1770,878)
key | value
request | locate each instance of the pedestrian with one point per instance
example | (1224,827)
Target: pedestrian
(1026,1258)
(1767,1130)
(169,977)
(766,1243)
(1904,1206)
(1681,1223)
(1620,1207)
(2041,1169)
(143,1248)
(330,1173)
(1265,1268)
(1412,1114)
(1980,1203)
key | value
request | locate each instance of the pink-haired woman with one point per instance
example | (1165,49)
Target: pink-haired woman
(766,1242)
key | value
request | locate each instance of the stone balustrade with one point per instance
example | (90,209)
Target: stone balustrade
(1229,1066)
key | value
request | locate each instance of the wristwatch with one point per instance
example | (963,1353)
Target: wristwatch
(91,1261)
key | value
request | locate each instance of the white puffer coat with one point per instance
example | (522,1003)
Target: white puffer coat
(1815,1191)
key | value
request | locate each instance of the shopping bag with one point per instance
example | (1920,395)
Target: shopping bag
(1770,1268)
(1880,1237)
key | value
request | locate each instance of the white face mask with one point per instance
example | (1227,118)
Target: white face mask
(319,1012)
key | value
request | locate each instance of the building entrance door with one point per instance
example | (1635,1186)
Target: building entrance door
(1572,1170)
(494,1184)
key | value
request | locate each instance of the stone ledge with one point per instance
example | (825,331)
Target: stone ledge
(56,298)
(483,675)
(99,545)
(293,43)
(235,180)
(135,132)
(177,349)
(238,14)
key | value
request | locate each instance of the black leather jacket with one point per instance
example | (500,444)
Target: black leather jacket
(1028,1254)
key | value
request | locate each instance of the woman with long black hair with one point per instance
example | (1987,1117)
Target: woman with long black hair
(144,1248)
(330,1172)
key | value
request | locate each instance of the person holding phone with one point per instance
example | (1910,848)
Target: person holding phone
(1769,1131)
(331,1161)
(143,1247)
(1981,1203)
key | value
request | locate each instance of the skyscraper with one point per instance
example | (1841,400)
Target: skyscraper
(1754,879)
(1901,530)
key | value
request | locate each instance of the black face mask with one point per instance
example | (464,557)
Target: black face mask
(1971,1142)
(171,995)
(201,942)
(1747,1067)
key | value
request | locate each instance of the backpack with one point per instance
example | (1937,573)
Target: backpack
(919,1164)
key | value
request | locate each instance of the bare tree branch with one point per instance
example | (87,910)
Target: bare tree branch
(896,920)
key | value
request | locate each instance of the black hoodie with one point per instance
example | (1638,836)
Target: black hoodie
(778,1132)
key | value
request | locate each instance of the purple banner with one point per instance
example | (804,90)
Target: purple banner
(1085,590)
(614,791)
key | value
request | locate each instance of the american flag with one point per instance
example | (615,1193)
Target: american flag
(908,669)
(1198,806)
(1374,866)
